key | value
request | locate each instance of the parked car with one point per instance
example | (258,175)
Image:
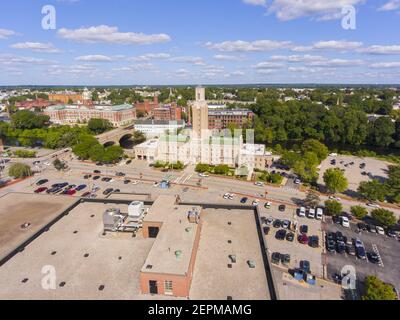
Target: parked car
(391,233)
(255,203)
(135,183)
(320,213)
(303,238)
(120,174)
(42,182)
(313,242)
(267,205)
(81,187)
(373,257)
(40,190)
(336,220)
(305,266)
(282,208)
(97,171)
(330,236)
(266,230)
(286,224)
(373,205)
(311,213)
(71,192)
(302,212)
(330,246)
(259,184)
(277,223)
(340,247)
(345,222)
(362,226)
(285,259)
(86,195)
(96,178)
(244,200)
(339,237)
(108,191)
(269,221)
(280,235)
(290,237)
(276,258)
(127,181)
(351,250)
(371,228)
(304,229)
(361,253)
(380,231)
(86,177)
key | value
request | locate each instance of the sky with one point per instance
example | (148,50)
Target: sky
(171,42)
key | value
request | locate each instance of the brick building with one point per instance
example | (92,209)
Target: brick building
(168,269)
(147,106)
(170,112)
(221,119)
(33,104)
(118,115)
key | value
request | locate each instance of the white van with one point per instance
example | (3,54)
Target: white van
(302,212)
(311,213)
(320,214)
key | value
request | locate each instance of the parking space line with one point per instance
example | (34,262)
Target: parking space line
(375,248)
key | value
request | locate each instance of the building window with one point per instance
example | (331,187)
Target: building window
(169,290)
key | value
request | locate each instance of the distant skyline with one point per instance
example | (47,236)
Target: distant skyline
(173,42)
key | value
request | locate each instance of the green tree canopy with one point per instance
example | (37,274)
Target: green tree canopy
(359,212)
(384,217)
(372,190)
(25,119)
(335,180)
(99,126)
(376,289)
(20,170)
(333,207)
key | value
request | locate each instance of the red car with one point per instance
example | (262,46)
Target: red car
(86,195)
(40,190)
(71,192)
(303,239)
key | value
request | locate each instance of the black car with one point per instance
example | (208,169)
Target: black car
(129,162)
(86,177)
(120,174)
(350,249)
(285,259)
(108,191)
(280,235)
(339,237)
(127,181)
(363,165)
(244,200)
(290,237)
(305,266)
(392,233)
(373,257)
(371,228)
(330,246)
(337,220)
(266,230)
(96,178)
(330,236)
(314,242)
(117,191)
(362,226)
(304,229)
(282,208)
(42,182)
(276,258)
(277,224)
(97,171)
(341,247)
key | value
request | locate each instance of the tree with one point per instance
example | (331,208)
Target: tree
(99,126)
(113,154)
(359,212)
(25,119)
(381,132)
(316,147)
(312,200)
(221,169)
(202,168)
(333,207)
(372,190)
(376,289)
(384,217)
(138,137)
(20,170)
(335,180)
(59,165)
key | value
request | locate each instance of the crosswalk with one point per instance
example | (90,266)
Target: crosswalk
(183,179)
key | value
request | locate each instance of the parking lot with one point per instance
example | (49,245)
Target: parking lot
(387,249)
(297,251)
(374,169)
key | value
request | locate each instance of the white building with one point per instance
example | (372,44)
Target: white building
(153,128)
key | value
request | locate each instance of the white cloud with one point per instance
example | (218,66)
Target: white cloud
(223,57)
(5,34)
(336,63)
(390,6)
(268,65)
(381,50)
(36,47)
(385,65)
(244,46)
(8,59)
(319,9)
(107,34)
(256,2)
(198,61)
(297,58)
(95,58)
(337,45)
(151,56)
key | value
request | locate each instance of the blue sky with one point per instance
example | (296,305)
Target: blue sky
(154,42)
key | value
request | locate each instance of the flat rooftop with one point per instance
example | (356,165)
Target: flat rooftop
(172,250)
(84,260)
(212,279)
(17,209)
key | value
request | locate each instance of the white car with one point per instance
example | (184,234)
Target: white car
(311,213)
(255,203)
(135,183)
(268,205)
(231,197)
(259,184)
(345,222)
(297,181)
(335,198)
(226,196)
(320,214)
(373,205)
(380,231)
(156,184)
(203,175)
(302,212)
